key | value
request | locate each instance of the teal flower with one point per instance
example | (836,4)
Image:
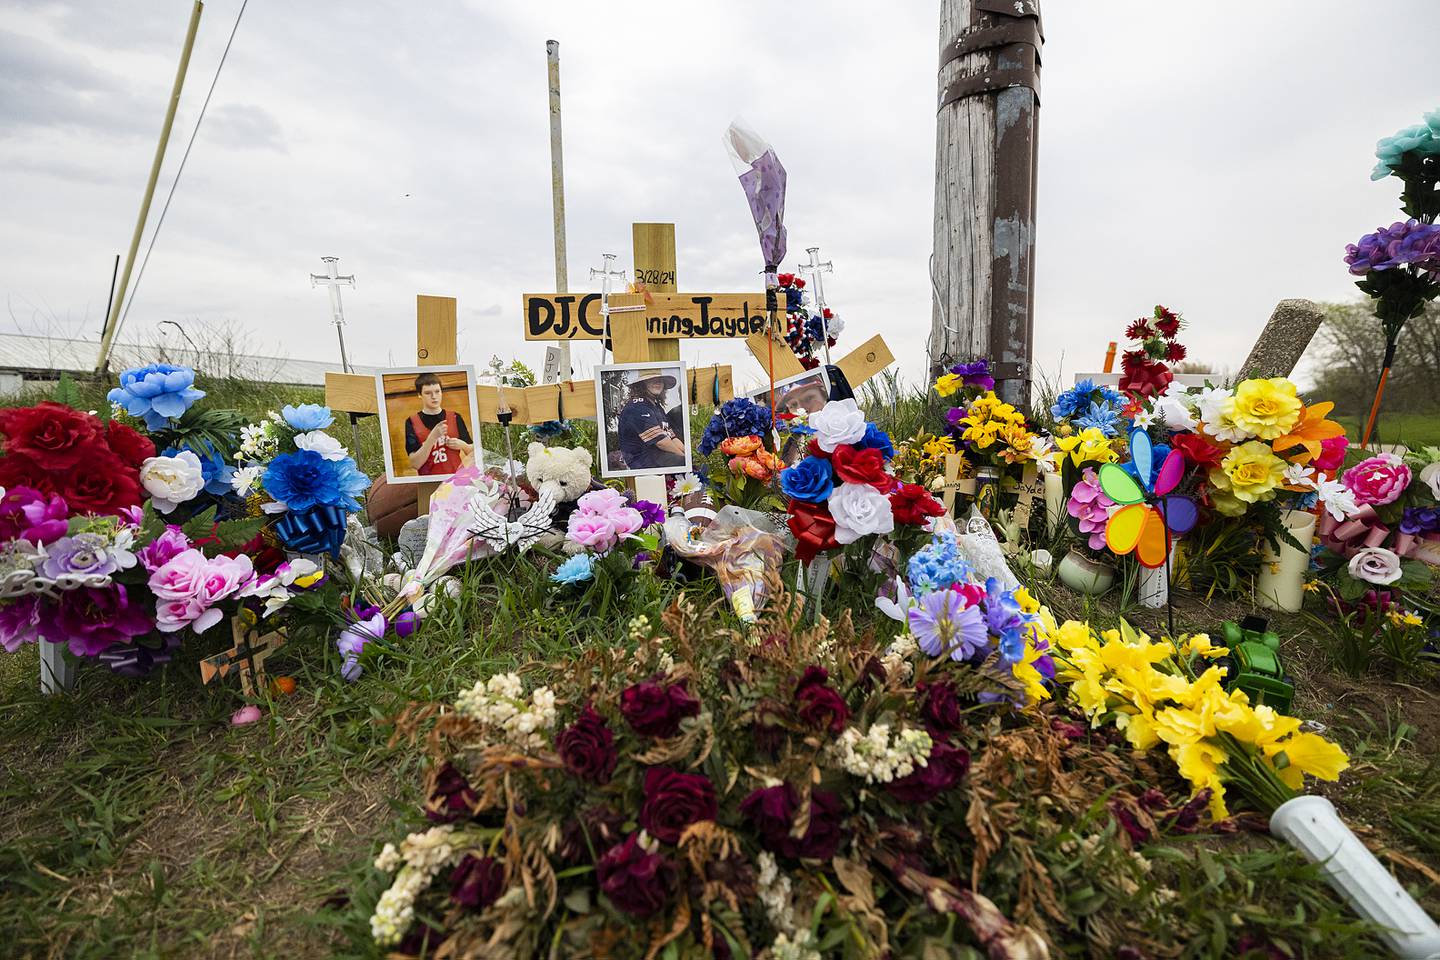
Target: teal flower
(1422,138)
(159,392)
(577,569)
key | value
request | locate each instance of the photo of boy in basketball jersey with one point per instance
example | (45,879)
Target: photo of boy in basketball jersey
(435,438)
(427,415)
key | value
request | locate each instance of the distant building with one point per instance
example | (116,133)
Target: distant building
(30,359)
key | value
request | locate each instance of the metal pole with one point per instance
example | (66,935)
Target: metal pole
(107,341)
(557,190)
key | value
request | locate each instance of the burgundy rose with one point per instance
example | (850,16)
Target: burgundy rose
(817,704)
(941,707)
(636,881)
(588,833)
(451,796)
(99,484)
(1130,823)
(477,882)
(20,471)
(132,447)
(95,618)
(588,747)
(771,812)
(656,709)
(53,435)
(673,801)
(946,767)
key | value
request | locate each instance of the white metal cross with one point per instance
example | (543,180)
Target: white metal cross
(606,274)
(814,269)
(332,279)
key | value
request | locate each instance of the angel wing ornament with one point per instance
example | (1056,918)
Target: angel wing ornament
(522,534)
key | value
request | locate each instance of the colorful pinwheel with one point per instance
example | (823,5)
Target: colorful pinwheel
(1147,508)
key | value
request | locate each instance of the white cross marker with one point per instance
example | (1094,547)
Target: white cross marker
(333,280)
(814,269)
(606,274)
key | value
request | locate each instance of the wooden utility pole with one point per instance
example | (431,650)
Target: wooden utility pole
(557,189)
(985,153)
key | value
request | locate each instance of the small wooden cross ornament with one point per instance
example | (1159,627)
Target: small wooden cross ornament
(248,655)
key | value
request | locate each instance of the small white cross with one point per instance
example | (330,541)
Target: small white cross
(332,279)
(814,269)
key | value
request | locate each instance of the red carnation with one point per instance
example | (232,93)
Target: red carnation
(99,484)
(1138,330)
(911,504)
(864,466)
(1197,449)
(53,435)
(1175,352)
(133,448)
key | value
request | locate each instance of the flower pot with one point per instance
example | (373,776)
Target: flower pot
(1311,825)
(1084,575)
(1281,584)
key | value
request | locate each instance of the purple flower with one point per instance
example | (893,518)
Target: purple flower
(353,641)
(1419,247)
(942,623)
(1420,520)
(976,373)
(20,622)
(1410,242)
(94,618)
(650,513)
(82,555)
(27,514)
(163,548)
(1003,617)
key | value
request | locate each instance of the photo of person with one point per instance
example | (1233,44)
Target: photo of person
(644,420)
(427,414)
(809,391)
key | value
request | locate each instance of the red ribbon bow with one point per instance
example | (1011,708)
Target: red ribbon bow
(814,529)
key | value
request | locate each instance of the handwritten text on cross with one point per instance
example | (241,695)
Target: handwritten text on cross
(566,316)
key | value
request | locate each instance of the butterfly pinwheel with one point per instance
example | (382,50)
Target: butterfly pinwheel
(1149,513)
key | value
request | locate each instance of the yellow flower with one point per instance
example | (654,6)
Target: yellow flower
(1075,635)
(1028,604)
(1139,729)
(1090,693)
(947,384)
(1250,472)
(1178,726)
(1306,753)
(1200,764)
(1200,645)
(1029,677)
(1226,503)
(939,446)
(1088,446)
(1266,408)
(1406,619)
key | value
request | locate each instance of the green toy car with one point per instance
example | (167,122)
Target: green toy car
(1254,663)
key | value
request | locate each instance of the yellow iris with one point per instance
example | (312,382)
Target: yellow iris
(1266,408)
(947,384)
(1306,753)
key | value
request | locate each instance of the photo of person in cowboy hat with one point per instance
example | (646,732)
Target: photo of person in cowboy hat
(646,438)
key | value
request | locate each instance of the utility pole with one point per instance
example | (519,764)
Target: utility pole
(107,339)
(557,190)
(983,270)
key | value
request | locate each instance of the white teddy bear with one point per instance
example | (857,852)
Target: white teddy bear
(564,471)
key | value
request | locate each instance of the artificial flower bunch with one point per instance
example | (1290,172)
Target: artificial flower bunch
(300,476)
(921,459)
(698,791)
(807,333)
(608,532)
(740,432)
(843,490)
(951,611)
(1171,692)
(991,432)
(1088,407)
(1145,370)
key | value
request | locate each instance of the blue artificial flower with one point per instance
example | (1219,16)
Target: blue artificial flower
(577,569)
(877,439)
(304,479)
(937,566)
(735,418)
(794,299)
(159,392)
(1005,620)
(1422,138)
(810,480)
(308,416)
(550,429)
(1158,454)
(1102,416)
(213,468)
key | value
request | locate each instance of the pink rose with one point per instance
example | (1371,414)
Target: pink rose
(1332,453)
(174,615)
(1378,480)
(601,501)
(181,577)
(625,520)
(224,576)
(592,530)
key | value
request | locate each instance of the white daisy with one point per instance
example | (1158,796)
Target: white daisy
(686,485)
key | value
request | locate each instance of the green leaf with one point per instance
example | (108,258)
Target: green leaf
(1351,589)
(201,525)
(66,392)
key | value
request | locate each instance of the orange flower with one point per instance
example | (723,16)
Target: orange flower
(740,446)
(1304,438)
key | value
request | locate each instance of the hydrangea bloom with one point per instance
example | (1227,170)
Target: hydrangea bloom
(735,418)
(938,565)
(159,392)
(305,479)
(1401,243)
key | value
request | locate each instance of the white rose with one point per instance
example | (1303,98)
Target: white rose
(321,443)
(839,421)
(171,481)
(859,509)
(1375,565)
(1431,476)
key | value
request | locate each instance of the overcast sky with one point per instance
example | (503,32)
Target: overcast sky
(1213,157)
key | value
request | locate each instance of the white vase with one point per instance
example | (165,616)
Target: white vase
(1311,825)
(1083,575)
(1281,583)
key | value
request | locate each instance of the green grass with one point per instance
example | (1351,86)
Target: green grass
(138,822)
(1412,429)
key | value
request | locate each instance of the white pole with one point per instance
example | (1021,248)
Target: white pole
(557,189)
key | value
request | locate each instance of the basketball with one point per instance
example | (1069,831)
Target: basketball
(390,506)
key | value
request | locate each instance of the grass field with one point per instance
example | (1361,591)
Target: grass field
(1411,429)
(138,822)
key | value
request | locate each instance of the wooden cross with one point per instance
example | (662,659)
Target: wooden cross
(247,657)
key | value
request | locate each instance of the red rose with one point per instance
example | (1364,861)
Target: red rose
(771,812)
(911,504)
(53,435)
(99,484)
(131,447)
(588,747)
(817,704)
(864,466)
(655,710)
(785,279)
(814,449)
(673,801)
(1197,449)
(21,471)
(477,882)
